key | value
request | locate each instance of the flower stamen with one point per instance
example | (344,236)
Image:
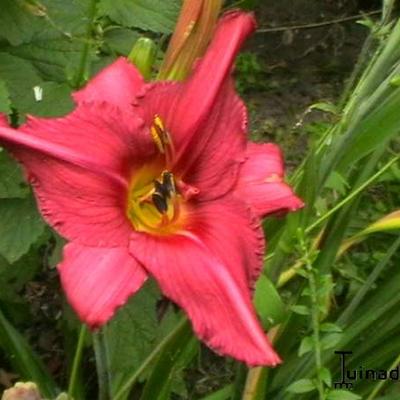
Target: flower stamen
(162,138)
(155,207)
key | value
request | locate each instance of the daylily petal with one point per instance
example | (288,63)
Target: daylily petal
(84,204)
(98,281)
(198,281)
(117,84)
(3,120)
(106,134)
(230,230)
(204,116)
(261,183)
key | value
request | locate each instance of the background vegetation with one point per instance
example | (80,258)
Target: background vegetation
(322,79)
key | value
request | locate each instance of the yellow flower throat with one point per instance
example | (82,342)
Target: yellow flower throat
(154,203)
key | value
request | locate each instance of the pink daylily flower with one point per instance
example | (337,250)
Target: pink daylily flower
(160,179)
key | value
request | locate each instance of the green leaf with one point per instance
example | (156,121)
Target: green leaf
(120,40)
(12,183)
(306,345)
(325,376)
(132,333)
(172,359)
(301,386)
(326,107)
(20,78)
(330,340)
(21,226)
(330,327)
(302,310)
(363,138)
(17,24)
(268,302)
(342,395)
(49,99)
(337,182)
(223,394)
(52,57)
(152,15)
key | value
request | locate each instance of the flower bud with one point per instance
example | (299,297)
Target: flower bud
(143,55)
(189,41)
(22,391)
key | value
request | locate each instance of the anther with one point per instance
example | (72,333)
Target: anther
(159,134)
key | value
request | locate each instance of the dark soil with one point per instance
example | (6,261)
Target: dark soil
(301,65)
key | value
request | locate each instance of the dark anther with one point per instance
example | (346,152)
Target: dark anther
(168,182)
(163,191)
(160,202)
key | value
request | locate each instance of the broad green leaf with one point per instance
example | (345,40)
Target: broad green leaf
(24,360)
(342,395)
(66,17)
(20,78)
(301,386)
(5,102)
(53,57)
(132,333)
(268,302)
(149,15)
(17,23)
(120,40)
(20,227)
(55,50)
(12,183)
(49,99)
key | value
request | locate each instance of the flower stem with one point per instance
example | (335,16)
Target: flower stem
(315,313)
(77,361)
(102,364)
(315,325)
(80,77)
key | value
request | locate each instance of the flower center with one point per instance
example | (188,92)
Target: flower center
(155,203)
(156,206)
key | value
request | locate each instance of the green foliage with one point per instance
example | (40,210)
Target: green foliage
(249,73)
(153,15)
(316,295)
(21,226)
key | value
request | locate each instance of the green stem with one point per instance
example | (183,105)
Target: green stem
(352,194)
(102,365)
(77,361)
(314,317)
(151,357)
(80,77)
